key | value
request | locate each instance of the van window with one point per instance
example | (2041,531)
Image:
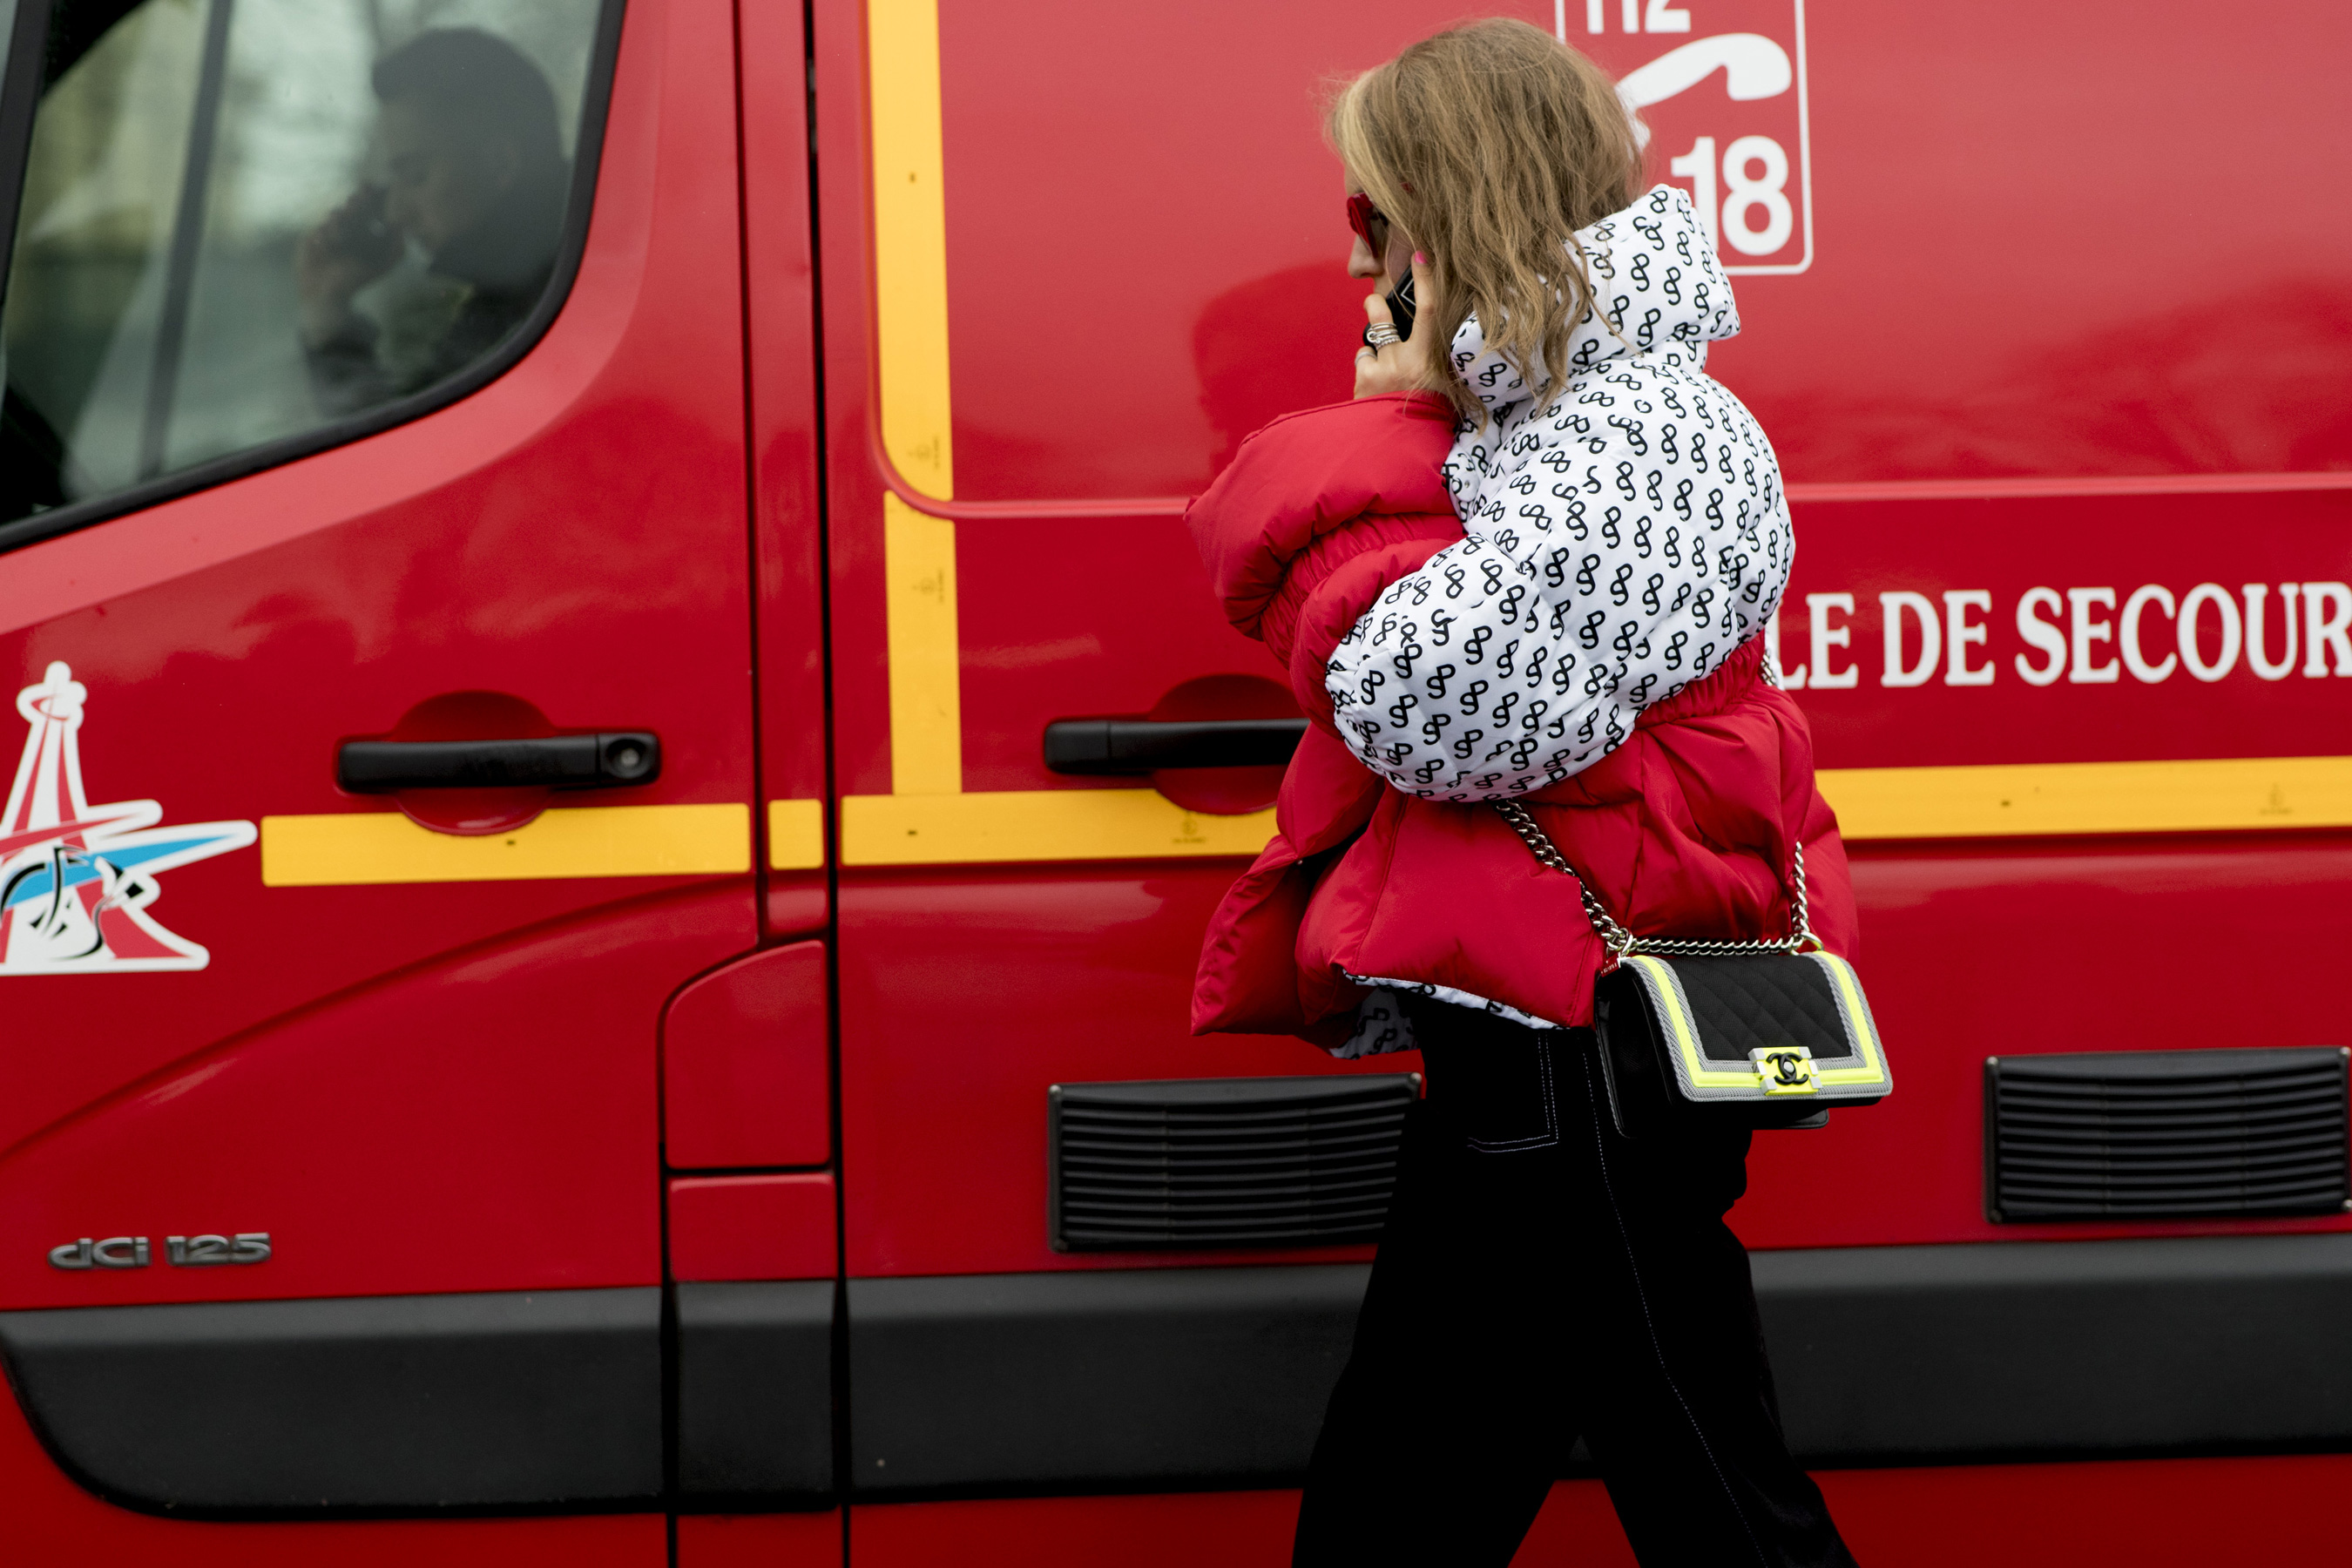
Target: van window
(248,220)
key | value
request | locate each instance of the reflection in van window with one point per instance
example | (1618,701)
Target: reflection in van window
(473,177)
(245,219)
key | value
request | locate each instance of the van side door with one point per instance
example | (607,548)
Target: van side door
(377,617)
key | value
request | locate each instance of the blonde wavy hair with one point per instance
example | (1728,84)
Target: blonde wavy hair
(1489,146)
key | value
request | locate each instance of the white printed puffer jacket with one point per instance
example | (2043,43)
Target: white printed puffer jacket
(1623,538)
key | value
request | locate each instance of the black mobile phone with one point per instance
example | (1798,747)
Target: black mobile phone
(1401,305)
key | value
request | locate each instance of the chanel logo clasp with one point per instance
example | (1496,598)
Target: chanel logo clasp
(1785,1069)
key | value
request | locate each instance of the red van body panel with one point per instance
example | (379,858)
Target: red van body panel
(2165,1515)
(758,1540)
(230,641)
(745,1053)
(769,1227)
(1966,414)
(413,1087)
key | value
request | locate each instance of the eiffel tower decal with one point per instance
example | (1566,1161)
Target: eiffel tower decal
(77,879)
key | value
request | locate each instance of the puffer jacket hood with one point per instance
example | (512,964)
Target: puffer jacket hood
(1656,281)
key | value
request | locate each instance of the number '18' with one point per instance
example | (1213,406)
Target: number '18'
(1741,194)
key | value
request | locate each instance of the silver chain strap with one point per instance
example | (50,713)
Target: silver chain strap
(1621,941)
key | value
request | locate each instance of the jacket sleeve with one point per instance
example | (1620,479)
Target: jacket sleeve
(1307,475)
(1607,563)
(1333,582)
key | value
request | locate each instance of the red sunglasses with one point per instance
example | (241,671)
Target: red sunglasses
(1361,216)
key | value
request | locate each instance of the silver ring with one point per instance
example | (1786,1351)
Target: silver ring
(1380,335)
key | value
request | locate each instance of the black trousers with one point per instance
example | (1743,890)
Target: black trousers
(1543,1278)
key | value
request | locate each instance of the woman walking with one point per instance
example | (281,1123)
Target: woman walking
(1533,565)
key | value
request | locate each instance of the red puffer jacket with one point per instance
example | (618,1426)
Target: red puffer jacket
(1685,829)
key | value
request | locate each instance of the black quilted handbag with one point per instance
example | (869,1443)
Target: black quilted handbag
(1756,1034)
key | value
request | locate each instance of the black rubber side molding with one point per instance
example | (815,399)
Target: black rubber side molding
(1168,1379)
(1146,1379)
(755,1395)
(2062,1350)
(552,762)
(1149,1379)
(542,1402)
(1143,745)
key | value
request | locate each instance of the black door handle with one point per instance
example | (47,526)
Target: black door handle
(553,761)
(1143,745)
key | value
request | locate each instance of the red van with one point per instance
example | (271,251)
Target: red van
(625,756)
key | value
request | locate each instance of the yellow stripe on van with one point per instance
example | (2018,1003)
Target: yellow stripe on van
(919,564)
(351,849)
(1038,825)
(795,834)
(2022,800)
(910,239)
(910,291)
(2042,798)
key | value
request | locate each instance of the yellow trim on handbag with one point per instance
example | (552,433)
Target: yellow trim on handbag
(1666,994)
(1778,1081)
(1873,1067)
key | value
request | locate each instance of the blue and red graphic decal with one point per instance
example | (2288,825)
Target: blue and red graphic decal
(77,879)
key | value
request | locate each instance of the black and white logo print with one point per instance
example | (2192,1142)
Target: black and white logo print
(1624,535)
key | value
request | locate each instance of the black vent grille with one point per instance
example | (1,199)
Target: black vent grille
(2167,1134)
(1233,1161)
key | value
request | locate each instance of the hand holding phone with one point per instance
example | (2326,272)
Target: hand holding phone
(1391,360)
(1403,304)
